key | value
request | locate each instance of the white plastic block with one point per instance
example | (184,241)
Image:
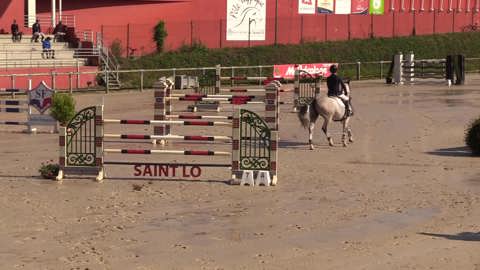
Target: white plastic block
(263,178)
(247,178)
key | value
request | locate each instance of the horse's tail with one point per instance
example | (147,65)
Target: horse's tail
(307,113)
(303,115)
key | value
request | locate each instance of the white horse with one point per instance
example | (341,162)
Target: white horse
(330,109)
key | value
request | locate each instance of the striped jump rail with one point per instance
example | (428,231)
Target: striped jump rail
(248,78)
(13,110)
(246,90)
(168,152)
(200,95)
(188,116)
(224,100)
(168,137)
(13,102)
(10,90)
(13,123)
(165,122)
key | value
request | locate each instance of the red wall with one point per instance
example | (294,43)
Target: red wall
(62,82)
(132,22)
(10,10)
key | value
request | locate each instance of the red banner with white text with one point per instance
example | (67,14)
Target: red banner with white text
(288,71)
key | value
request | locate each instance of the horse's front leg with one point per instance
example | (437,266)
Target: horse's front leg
(349,130)
(311,127)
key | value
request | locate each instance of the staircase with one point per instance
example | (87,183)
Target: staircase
(26,54)
(109,65)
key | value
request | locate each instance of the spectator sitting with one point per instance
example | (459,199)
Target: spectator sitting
(37,32)
(48,52)
(16,34)
(59,32)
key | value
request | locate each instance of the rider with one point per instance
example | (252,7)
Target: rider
(337,88)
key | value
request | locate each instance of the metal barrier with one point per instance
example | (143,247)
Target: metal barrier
(381,72)
(409,70)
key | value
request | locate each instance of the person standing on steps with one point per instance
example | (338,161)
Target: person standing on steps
(16,34)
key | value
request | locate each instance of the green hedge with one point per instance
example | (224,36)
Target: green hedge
(365,50)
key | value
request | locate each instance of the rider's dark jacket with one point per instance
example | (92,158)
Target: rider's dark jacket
(335,85)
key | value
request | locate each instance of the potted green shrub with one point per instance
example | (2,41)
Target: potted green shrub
(63,108)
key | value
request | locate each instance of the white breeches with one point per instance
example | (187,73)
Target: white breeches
(344,97)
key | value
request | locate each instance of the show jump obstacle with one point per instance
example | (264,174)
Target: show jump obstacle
(82,145)
(164,107)
(306,88)
(212,85)
(408,70)
(39,98)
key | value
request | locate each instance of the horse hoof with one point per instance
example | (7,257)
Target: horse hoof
(311,147)
(350,140)
(344,145)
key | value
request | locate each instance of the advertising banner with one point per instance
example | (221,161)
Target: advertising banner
(246,20)
(306,6)
(288,71)
(376,7)
(325,6)
(343,6)
(360,7)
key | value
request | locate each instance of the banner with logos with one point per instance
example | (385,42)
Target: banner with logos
(360,7)
(376,7)
(325,6)
(288,71)
(306,6)
(343,6)
(246,20)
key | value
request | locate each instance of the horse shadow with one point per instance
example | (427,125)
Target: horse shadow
(299,145)
(463,236)
(462,151)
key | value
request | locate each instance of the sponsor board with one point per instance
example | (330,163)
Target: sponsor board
(246,20)
(376,7)
(343,6)
(40,97)
(306,6)
(360,7)
(288,71)
(325,6)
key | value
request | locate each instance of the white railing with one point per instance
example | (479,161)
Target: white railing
(85,35)
(46,21)
(33,58)
(40,63)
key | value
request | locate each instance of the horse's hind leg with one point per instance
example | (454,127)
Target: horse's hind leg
(345,131)
(311,128)
(325,130)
